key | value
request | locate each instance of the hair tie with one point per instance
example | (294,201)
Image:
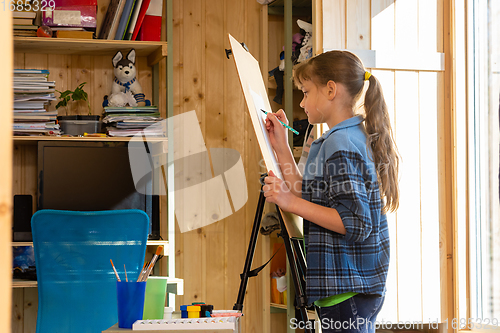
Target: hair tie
(367,75)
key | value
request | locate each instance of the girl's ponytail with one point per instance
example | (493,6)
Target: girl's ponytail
(346,68)
(381,142)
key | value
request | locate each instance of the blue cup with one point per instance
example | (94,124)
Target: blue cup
(130,302)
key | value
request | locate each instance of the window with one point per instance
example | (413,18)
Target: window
(483,160)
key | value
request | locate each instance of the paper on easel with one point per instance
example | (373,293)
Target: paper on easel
(259,105)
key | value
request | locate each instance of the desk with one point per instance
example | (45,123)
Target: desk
(116,329)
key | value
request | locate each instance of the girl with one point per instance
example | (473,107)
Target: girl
(349,183)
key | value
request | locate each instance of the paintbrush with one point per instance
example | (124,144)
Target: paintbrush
(144,276)
(114,269)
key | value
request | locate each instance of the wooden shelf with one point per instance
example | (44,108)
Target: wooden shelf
(18,283)
(278,306)
(155,51)
(159,242)
(22,243)
(299,7)
(33,140)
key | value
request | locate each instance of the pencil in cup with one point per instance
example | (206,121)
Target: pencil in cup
(282,123)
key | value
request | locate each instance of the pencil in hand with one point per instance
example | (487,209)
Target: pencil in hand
(282,123)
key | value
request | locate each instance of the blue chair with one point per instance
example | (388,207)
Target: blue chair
(76,283)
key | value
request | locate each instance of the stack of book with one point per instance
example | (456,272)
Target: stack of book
(129,121)
(32,92)
(23,23)
(72,32)
(132,20)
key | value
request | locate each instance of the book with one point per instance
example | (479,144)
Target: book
(25,27)
(108,19)
(30,87)
(22,21)
(32,125)
(28,111)
(127,11)
(31,71)
(24,33)
(31,91)
(23,14)
(116,20)
(34,118)
(39,79)
(67,28)
(74,34)
(35,114)
(133,20)
(151,25)
(130,109)
(140,18)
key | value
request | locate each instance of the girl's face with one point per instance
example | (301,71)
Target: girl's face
(314,102)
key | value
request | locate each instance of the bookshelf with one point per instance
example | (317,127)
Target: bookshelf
(154,51)
(71,62)
(33,140)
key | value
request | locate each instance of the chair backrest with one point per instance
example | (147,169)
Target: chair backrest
(76,283)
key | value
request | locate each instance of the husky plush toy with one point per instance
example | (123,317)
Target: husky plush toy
(125,83)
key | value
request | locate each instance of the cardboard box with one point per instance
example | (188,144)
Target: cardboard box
(72,13)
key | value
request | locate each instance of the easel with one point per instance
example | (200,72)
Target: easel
(293,253)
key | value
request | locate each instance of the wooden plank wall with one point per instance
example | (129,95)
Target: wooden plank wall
(68,71)
(415,99)
(210,260)
(6,171)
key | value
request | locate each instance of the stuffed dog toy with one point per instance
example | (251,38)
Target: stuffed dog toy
(125,83)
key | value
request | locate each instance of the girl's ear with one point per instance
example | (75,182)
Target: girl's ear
(331,89)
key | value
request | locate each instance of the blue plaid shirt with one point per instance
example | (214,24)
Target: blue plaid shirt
(340,174)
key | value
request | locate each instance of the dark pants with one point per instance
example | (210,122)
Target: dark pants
(357,314)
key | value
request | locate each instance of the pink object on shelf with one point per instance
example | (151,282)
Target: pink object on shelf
(71,13)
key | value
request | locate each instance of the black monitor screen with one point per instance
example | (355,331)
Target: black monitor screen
(91,176)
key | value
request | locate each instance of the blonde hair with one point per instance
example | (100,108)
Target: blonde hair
(346,68)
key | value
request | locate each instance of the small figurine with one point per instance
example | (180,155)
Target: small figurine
(126,89)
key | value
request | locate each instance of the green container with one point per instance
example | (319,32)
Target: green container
(154,302)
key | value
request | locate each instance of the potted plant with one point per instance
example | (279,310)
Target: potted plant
(77,124)
(76,95)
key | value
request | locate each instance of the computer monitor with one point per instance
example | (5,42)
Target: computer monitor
(92,176)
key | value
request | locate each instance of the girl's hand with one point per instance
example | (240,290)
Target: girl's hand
(276,191)
(278,134)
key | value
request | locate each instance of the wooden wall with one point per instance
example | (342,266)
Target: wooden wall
(416,286)
(210,260)
(68,71)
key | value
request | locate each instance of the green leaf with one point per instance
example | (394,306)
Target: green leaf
(78,95)
(61,103)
